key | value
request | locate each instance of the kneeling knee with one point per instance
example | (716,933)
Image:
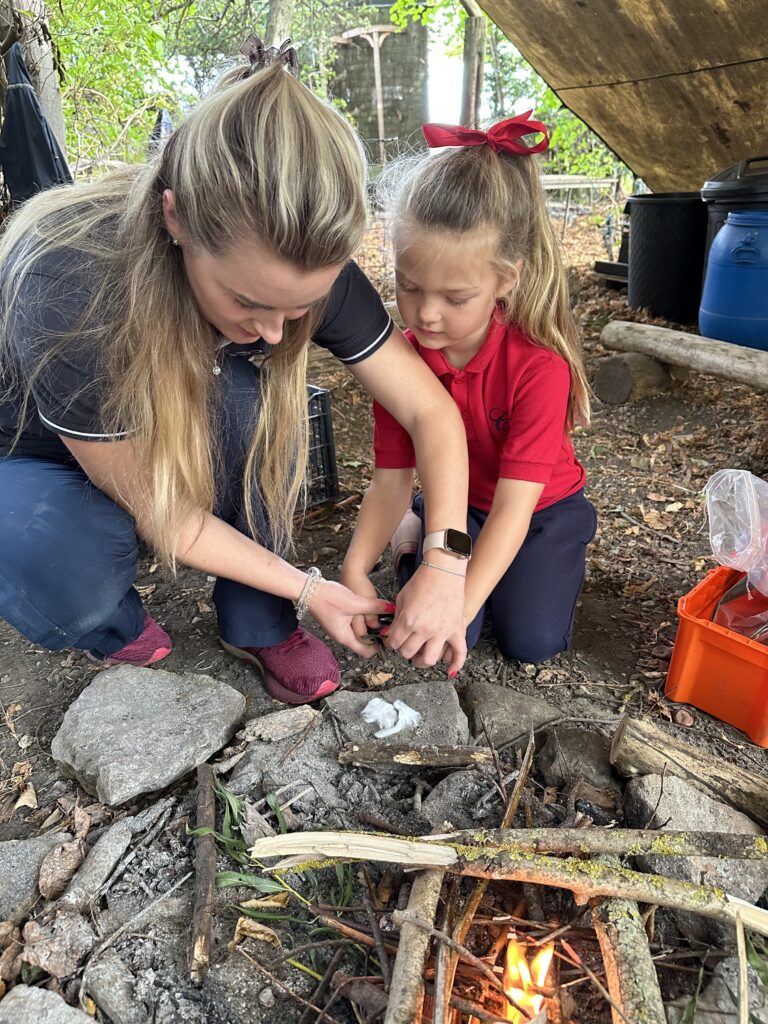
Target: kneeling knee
(533,649)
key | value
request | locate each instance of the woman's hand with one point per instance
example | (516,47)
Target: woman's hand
(335,608)
(360,584)
(430,615)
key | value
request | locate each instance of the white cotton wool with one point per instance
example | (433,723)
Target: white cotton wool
(391,718)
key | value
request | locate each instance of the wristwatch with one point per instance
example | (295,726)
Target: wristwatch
(453,541)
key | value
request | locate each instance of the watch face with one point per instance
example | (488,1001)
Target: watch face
(458,542)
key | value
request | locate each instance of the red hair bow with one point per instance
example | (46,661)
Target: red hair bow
(502,138)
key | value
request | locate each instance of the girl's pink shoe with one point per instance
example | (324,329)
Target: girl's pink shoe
(152,645)
(405,539)
(297,671)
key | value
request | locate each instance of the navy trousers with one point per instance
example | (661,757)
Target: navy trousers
(531,608)
(68,553)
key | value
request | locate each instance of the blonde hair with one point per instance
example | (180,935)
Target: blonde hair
(261,158)
(473,188)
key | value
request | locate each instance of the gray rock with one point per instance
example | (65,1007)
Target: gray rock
(508,715)
(111,986)
(442,720)
(136,730)
(715,1005)
(453,799)
(98,865)
(686,809)
(313,762)
(571,753)
(27,1005)
(280,724)
(20,861)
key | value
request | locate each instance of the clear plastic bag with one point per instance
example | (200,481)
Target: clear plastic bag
(744,610)
(737,506)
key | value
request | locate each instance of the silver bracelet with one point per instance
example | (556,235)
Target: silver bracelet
(441,568)
(314,579)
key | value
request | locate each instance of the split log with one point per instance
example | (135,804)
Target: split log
(407,989)
(584,878)
(205,877)
(678,348)
(379,755)
(640,748)
(629,970)
(630,378)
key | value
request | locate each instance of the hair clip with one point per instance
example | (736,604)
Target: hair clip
(261,56)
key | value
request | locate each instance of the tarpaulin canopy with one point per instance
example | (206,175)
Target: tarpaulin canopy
(30,156)
(677,88)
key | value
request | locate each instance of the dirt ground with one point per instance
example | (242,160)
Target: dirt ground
(646,465)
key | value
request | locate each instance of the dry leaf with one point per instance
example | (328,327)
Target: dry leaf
(375,679)
(657,497)
(10,711)
(278,899)
(146,589)
(25,741)
(28,797)
(674,506)
(58,868)
(683,717)
(153,567)
(550,795)
(653,519)
(246,928)
(90,1006)
(10,960)
(82,822)
(204,608)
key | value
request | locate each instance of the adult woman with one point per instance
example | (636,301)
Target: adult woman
(128,305)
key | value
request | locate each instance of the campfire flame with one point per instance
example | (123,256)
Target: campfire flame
(522,979)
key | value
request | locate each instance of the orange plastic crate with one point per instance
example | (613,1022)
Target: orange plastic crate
(714,668)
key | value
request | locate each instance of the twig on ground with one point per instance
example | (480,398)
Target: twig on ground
(407,989)
(321,1014)
(324,984)
(381,952)
(741,946)
(595,981)
(205,877)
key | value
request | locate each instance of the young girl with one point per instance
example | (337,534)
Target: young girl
(482,290)
(129,405)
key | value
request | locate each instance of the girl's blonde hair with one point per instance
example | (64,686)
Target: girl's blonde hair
(473,188)
(261,158)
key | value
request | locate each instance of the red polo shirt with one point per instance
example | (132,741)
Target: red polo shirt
(513,398)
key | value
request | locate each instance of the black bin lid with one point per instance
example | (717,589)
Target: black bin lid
(744,181)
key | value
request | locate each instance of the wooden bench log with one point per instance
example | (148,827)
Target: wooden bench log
(677,348)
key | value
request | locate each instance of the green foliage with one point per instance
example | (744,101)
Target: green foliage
(116,75)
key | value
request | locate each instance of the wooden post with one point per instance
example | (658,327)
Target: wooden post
(375,37)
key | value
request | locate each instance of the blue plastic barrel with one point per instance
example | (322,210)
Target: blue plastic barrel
(734,304)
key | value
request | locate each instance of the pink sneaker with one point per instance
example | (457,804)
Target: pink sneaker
(405,539)
(152,645)
(297,671)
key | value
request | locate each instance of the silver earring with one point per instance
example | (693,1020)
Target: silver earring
(175,241)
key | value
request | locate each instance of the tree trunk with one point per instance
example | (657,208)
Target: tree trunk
(279,20)
(37,45)
(474,64)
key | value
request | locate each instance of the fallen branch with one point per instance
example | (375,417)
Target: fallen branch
(377,755)
(629,969)
(584,878)
(407,989)
(205,877)
(640,748)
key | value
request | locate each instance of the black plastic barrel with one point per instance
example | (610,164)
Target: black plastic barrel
(666,254)
(742,186)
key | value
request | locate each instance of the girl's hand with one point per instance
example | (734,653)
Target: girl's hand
(430,615)
(360,584)
(334,606)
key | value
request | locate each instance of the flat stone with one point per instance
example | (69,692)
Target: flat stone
(280,724)
(20,861)
(313,762)
(715,1005)
(442,720)
(508,714)
(111,986)
(27,1005)
(98,865)
(685,809)
(571,753)
(137,730)
(452,800)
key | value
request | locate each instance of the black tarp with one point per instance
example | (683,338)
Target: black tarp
(30,156)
